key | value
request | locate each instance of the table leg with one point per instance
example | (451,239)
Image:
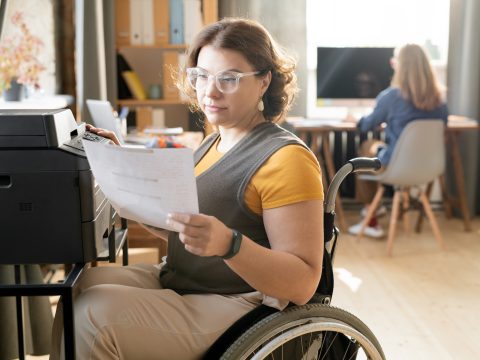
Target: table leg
(447,203)
(19,305)
(68,324)
(458,170)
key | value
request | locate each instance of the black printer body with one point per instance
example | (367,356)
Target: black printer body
(51,210)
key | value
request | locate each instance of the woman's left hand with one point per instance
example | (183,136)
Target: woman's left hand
(201,234)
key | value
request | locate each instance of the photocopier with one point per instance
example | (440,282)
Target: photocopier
(51,209)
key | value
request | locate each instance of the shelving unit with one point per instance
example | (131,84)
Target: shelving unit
(148,61)
(166,46)
(152,60)
(148,102)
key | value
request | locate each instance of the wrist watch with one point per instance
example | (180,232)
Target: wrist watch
(234,246)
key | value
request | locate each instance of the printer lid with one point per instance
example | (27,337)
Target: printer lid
(36,128)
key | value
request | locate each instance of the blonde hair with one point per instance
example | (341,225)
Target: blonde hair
(256,44)
(415,77)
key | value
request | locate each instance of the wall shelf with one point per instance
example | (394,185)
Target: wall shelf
(153,47)
(153,39)
(149,102)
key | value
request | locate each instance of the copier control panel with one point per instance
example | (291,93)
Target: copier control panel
(75,145)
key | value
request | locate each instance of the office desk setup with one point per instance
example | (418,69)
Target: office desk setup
(317,132)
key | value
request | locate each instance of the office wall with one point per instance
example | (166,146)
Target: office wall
(286,21)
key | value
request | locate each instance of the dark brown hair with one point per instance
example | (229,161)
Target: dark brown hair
(254,42)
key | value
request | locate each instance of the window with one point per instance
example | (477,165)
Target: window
(376,23)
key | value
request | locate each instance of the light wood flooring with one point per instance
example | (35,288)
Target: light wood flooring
(421,303)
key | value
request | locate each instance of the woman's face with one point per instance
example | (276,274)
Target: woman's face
(229,109)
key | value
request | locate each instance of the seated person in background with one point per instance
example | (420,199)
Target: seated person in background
(414,94)
(259,235)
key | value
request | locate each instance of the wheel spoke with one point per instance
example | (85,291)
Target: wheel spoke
(329,345)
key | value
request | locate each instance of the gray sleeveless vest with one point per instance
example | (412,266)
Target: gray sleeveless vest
(220,193)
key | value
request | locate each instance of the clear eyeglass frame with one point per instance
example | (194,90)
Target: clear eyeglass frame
(226,81)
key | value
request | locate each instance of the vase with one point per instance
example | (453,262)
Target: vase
(15,92)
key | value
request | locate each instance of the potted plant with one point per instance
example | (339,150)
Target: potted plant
(19,64)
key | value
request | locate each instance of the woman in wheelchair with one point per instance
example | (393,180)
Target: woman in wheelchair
(258,238)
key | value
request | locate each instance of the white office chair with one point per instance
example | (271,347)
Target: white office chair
(418,158)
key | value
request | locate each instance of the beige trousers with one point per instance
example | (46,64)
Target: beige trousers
(123,313)
(365,190)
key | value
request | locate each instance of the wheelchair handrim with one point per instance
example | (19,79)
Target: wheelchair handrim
(306,326)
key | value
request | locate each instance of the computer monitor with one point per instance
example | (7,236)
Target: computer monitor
(346,74)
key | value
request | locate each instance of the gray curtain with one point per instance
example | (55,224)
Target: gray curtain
(286,21)
(95,53)
(463,80)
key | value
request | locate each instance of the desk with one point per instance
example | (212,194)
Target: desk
(320,130)
(457,125)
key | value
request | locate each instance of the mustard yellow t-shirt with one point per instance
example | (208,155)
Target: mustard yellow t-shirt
(292,174)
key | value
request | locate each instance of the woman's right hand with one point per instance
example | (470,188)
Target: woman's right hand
(103,133)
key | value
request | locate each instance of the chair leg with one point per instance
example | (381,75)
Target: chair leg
(431,218)
(371,210)
(418,226)
(393,220)
(405,207)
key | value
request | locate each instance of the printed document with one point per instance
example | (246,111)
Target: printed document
(145,184)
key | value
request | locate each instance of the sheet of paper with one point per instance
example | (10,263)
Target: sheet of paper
(145,184)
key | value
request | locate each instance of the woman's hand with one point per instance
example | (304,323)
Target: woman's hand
(202,235)
(350,118)
(103,133)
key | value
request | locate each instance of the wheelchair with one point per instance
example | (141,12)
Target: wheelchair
(312,331)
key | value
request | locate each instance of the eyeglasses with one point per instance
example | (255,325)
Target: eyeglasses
(226,81)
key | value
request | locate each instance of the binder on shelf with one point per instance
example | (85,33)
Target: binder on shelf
(134,85)
(161,22)
(122,88)
(210,11)
(147,22)
(170,64)
(193,22)
(136,28)
(122,22)
(158,118)
(143,117)
(176,22)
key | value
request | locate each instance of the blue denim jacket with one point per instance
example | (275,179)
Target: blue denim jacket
(391,108)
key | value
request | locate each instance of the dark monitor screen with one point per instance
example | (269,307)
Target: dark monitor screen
(352,72)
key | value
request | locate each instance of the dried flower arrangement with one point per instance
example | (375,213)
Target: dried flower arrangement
(18,57)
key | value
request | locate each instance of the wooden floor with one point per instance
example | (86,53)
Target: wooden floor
(421,303)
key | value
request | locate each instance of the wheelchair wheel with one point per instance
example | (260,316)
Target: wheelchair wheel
(312,331)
